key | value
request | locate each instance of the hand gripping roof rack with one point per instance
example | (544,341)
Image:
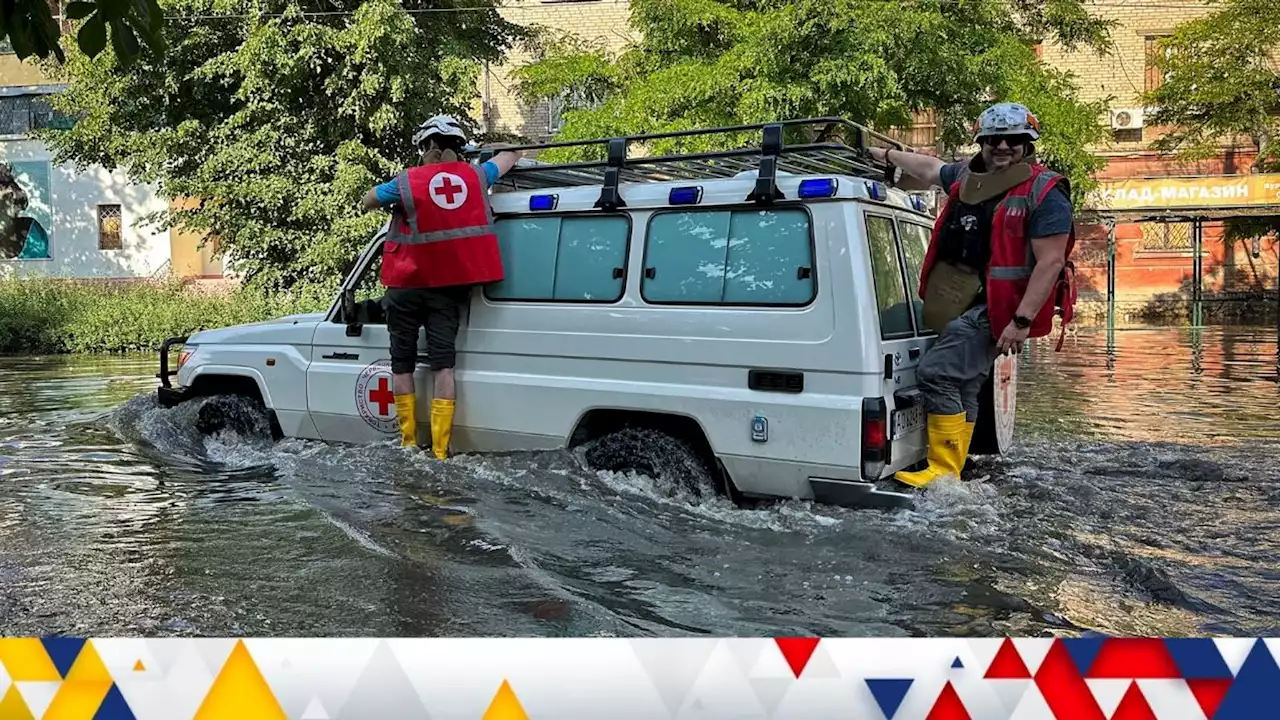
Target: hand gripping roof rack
(837,147)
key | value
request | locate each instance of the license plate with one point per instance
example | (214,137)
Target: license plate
(907,421)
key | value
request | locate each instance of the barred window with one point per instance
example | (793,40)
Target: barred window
(110,236)
(1166,237)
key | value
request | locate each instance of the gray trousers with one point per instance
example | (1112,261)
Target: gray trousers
(953,370)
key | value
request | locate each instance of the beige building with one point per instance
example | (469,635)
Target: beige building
(602,22)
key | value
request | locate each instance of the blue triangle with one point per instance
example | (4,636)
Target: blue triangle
(1083,652)
(888,693)
(1198,658)
(1253,693)
(957,663)
(63,651)
(114,707)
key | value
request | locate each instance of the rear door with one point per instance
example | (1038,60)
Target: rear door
(901,344)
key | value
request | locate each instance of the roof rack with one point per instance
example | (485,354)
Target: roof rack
(840,148)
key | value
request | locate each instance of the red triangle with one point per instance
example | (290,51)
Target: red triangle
(948,706)
(1133,706)
(1209,693)
(797,651)
(1134,658)
(1008,664)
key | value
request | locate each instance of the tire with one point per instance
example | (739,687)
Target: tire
(240,414)
(997,409)
(672,461)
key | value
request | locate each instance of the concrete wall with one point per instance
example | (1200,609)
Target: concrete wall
(65,202)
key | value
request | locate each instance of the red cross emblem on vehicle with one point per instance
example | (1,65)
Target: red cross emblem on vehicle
(375,400)
(447,190)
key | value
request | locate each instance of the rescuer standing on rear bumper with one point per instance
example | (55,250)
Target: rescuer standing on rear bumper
(996,269)
(440,244)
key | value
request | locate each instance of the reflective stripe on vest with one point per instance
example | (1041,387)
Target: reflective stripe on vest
(415,237)
(1018,204)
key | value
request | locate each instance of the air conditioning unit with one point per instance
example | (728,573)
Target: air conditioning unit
(1126,119)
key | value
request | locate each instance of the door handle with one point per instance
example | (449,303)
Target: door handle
(914,353)
(341,356)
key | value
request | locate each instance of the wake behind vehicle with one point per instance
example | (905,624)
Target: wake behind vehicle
(742,320)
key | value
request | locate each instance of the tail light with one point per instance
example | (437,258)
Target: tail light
(185,354)
(875,438)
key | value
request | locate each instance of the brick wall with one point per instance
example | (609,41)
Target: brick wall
(603,21)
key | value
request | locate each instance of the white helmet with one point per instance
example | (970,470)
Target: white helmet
(1006,119)
(438,125)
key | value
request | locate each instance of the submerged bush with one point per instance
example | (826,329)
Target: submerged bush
(57,316)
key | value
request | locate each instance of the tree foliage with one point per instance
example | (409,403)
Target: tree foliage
(1221,80)
(703,63)
(32,30)
(274,118)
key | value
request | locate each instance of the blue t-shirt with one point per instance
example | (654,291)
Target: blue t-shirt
(1052,217)
(389,191)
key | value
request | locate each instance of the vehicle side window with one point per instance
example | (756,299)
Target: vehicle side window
(730,257)
(571,259)
(915,243)
(886,270)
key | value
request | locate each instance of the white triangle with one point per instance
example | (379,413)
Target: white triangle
(216,652)
(982,652)
(1273,644)
(1033,651)
(1033,707)
(673,668)
(4,680)
(721,690)
(1234,651)
(1171,698)
(38,695)
(772,664)
(150,697)
(1009,692)
(821,665)
(1108,693)
(315,711)
(770,691)
(745,651)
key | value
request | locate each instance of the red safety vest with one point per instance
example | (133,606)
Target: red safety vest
(442,232)
(1012,259)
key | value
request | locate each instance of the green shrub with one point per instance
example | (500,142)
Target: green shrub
(57,316)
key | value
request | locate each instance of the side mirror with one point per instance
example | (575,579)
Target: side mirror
(354,329)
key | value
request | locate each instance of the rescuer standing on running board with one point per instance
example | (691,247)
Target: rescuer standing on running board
(996,269)
(441,243)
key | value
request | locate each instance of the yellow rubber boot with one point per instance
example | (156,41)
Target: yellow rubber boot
(441,427)
(968,439)
(948,444)
(407,414)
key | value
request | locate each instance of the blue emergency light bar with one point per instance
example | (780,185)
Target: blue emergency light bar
(543,202)
(685,195)
(877,191)
(917,202)
(817,188)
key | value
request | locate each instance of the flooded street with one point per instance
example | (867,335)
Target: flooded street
(1143,498)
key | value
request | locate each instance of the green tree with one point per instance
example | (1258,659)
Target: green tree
(1221,81)
(31,29)
(276,117)
(702,63)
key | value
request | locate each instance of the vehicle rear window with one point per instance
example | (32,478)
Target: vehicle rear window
(886,270)
(915,243)
(729,257)
(562,258)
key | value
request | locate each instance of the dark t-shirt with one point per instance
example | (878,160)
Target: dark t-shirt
(1052,217)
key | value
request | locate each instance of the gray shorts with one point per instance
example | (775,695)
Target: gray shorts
(953,370)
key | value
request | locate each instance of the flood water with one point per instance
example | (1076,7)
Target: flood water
(1144,498)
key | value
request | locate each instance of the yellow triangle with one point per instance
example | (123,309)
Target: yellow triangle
(13,707)
(240,692)
(27,661)
(139,667)
(89,667)
(77,699)
(505,705)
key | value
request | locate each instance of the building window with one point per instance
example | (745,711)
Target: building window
(562,259)
(1154,78)
(110,236)
(1128,135)
(729,257)
(557,106)
(20,114)
(1166,237)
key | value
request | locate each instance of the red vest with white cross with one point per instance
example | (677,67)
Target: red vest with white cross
(442,232)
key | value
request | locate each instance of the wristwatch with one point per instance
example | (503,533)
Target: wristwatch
(1021,322)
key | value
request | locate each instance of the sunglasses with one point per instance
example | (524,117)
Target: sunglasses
(1014,141)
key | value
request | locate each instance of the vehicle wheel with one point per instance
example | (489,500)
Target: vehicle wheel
(997,409)
(670,460)
(239,414)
